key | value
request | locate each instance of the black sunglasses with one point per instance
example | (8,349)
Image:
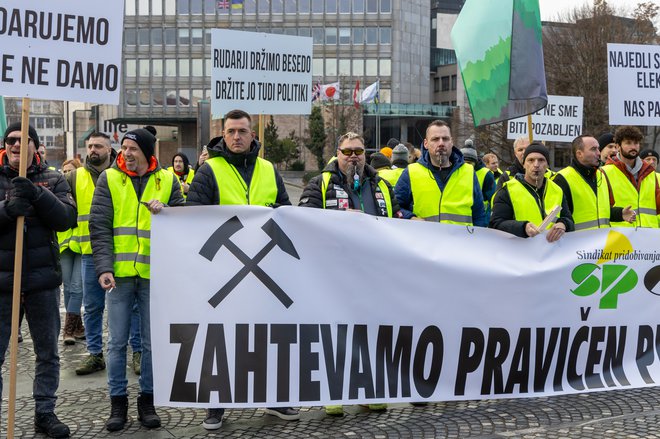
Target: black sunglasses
(12,140)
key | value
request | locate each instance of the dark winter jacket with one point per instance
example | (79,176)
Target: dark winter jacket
(53,211)
(102,214)
(404,193)
(514,169)
(503,217)
(372,204)
(590,176)
(204,187)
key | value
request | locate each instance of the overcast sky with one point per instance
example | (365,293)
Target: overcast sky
(551,8)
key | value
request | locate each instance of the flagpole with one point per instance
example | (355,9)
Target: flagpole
(378,117)
(530,132)
(262,130)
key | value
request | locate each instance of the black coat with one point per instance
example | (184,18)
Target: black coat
(53,211)
(204,187)
(312,195)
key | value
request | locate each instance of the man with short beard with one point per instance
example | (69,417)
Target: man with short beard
(100,156)
(348,183)
(632,181)
(441,187)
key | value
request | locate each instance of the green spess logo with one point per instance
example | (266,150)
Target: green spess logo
(611,280)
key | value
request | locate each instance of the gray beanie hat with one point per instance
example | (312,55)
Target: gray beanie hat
(470,154)
(400,152)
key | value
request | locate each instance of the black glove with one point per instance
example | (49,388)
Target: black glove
(18,206)
(24,188)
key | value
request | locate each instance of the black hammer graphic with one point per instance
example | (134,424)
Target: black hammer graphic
(222,238)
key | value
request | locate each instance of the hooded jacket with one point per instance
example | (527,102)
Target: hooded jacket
(102,214)
(404,195)
(53,211)
(312,195)
(204,187)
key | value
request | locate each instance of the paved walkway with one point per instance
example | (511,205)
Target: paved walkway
(83,404)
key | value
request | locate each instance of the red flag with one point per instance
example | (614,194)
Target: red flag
(356,92)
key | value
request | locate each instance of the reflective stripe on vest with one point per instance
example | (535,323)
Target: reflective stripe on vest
(589,211)
(233,189)
(391,175)
(451,206)
(525,206)
(625,194)
(381,184)
(84,194)
(132,244)
(64,239)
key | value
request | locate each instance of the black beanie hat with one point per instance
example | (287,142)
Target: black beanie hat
(648,153)
(537,147)
(32,133)
(379,160)
(604,140)
(145,140)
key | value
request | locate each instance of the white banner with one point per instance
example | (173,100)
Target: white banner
(62,50)
(559,121)
(633,82)
(267,74)
(255,307)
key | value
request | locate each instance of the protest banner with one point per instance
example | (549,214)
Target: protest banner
(633,83)
(265,74)
(298,307)
(63,50)
(559,121)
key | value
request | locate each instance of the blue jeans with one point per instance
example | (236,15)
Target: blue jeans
(121,302)
(72,280)
(94,301)
(43,317)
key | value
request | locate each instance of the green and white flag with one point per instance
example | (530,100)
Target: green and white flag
(3,116)
(499,49)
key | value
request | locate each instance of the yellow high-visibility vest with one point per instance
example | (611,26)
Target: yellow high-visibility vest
(233,189)
(189,178)
(451,206)
(625,194)
(590,210)
(525,205)
(391,175)
(80,242)
(132,233)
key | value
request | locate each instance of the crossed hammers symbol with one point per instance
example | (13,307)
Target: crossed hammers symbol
(221,237)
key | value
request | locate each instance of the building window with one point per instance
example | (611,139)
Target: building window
(330,6)
(436,85)
(290,31)
(131,68)
(385,6)
(250,6)
(372,35)
(317,6)
(304,32)
(209,7)
(358,35)
(445,83)
(184,36)
(317,67)
(372,6)
(169,35)
(358,6)
(143,7)
(445,103)
(130,7)
(453,82)
(277,6)
(344,35)
(130,37)
(145,98)
(207,36)
(453,103)
(144,68)
(385,67)
(303,6)
(344,6)
(156,36)
(198,67)
(197,7)
(143,37)
(197,95)
(182,7)
(371,67)
(345,67)
(263,6)
(358,67)
(330,35)
(318,35)
(331,67)
(130,98)
(170,68)
(170,7)
(184,68)
(290,6)
(385,35)
(197,36)
(157,67)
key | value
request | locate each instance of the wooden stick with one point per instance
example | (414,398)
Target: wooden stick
(262,130)
(530,132)
(18,270)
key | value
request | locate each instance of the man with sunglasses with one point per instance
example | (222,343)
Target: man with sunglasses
(348,183)
(44,199)
(234,174)
(441,187)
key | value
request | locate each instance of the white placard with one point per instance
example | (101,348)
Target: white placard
(633,83)
(264,74)
(62,50)
(559,121)
(265,307)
